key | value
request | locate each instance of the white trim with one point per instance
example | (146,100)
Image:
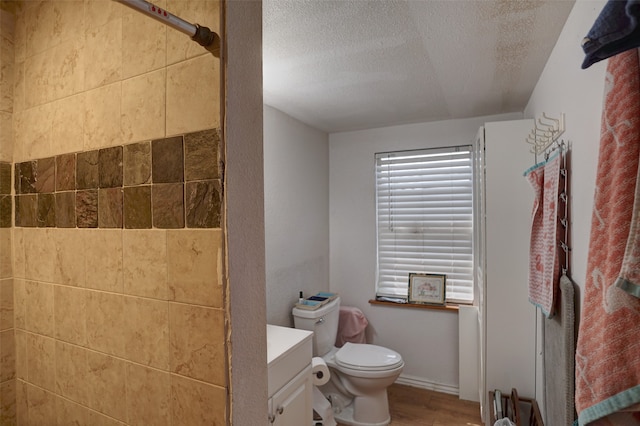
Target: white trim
(419,382)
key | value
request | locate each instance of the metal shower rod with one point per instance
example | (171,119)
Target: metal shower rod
(203,35)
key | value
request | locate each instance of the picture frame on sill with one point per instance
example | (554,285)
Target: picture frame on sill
(427,289)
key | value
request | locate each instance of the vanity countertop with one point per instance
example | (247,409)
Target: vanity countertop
(289,351)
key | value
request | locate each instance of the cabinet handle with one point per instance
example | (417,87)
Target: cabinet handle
(272,418)
(280,410)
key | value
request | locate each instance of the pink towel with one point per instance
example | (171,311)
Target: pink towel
(544,262)
(351,326)
(608,347)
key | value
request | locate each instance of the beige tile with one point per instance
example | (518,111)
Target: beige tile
(6,267)
(21,403)
(148,396)
(6,263)
(6,136)
(195,403)
(19,303)
(143,107)
(39,307)
(39,20)
(19,100)
(197,340)
(55,73)
(69,413)
(21,354)
(69,313)
(39,250)
(67,128)
(193,95)
(7,355)
(18,253)
(32,133)
(7,62)
(72,372)
(41,406)
(8,403)
(102,117)
(69,266)
(97,419)
(194,266)
(103,45)
(204,12)
(144,43)
(69,21)
(6,304)
(145,263)
(147,331)
(41,368)
(100,12)
(105,322)
(107,390)
(103,254)
(20,35)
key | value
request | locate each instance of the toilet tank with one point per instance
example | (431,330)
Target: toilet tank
(323,322)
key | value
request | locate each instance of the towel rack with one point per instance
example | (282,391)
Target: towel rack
(546,131)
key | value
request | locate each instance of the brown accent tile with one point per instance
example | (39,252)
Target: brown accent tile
(66,172)
(27,177)
(145,263)
(27,210)
(203,200)
(197,403)
(66,209)
(45,175)
(6,204)
(197,342)
(148,396)
(39,314)
(6,304)
(8,403)
(41,406)
(168,205)
(7,355)
(41,361)
(110,167)
(137,207)
(147,331)
(87,173)
(137,163)
(110,208)
(167,159)
(71,372)
(193,259)
(5,178)
(16,178)
(69,314)
(46,210)
(105,322)
(87,209)
(201,155)
(106,385)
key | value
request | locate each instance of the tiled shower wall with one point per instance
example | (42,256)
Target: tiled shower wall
(117,275)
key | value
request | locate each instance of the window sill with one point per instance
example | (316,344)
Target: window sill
(447,307)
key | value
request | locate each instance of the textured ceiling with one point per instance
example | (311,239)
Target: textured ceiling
(357,64)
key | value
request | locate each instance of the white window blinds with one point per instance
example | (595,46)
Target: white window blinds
(424,203)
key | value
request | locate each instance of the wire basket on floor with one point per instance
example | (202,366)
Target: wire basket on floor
(520,410)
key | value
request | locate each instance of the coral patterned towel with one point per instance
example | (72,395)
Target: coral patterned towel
(608,348)
(544,263)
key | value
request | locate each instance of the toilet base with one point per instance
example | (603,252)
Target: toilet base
(346,418)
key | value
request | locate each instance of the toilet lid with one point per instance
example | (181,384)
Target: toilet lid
(367,357)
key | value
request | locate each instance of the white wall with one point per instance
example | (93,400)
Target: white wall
(296,184)
(426,339)
(564,87)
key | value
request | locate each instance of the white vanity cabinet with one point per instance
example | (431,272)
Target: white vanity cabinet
(289,353)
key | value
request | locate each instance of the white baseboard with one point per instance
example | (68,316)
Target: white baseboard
(419,382)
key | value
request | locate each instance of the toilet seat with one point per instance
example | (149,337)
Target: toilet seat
(365,357)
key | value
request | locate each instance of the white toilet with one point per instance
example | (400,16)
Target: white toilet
(360,373)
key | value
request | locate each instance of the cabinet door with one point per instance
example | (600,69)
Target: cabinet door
(292,405)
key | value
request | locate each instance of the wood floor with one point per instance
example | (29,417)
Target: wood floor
(411,406)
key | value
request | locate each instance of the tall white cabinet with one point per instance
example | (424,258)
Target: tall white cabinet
(507,317)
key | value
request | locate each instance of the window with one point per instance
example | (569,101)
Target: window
(424,205)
